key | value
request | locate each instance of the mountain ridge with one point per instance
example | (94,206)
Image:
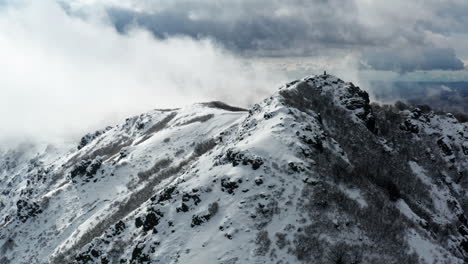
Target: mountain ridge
(313,174)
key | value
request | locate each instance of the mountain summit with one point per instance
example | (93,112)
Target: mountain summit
(313,174)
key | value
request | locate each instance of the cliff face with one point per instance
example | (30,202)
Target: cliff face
(313,174)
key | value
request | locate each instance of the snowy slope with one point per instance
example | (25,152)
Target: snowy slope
(313,174)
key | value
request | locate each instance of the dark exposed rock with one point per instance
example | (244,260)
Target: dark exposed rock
(464,245)
(194,197)
(294,167)
(229,186)
(463,230)
(80,168)
(416,113)
(87,168)
(291,83)
(91,255)
(119,228)
(138,222)
(149,221)
(88,138)
(198,220)
(267,116)
(237,157)
(465,148)
(256,163)
(84,258)
(359,99)
(310,181)
(138,256)
(258,181)
(409,126)
(315,142)
(183,208)
(93,167)
(463,219)
(445,146)
(166,194)
(26,210)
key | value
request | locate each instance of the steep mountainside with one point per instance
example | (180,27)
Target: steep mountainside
(313,174)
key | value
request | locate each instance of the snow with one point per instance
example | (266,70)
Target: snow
(429,252)
(440,195)
(354,194)
(406,210)
(419,172)
(448,130)
(153,152)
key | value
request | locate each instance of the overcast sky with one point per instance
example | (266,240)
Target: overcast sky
(398,35)
(73,66)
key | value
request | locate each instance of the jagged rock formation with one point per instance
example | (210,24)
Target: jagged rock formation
(313,174)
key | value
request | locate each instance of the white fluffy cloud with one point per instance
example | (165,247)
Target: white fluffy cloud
(63,75)
(70,66)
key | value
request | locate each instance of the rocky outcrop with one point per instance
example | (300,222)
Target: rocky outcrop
(88,138)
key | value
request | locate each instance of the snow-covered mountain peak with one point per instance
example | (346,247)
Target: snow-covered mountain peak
(313,173)
(333,91)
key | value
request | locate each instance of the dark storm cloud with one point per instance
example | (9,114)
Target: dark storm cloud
(448,17)
(408,60)
(313,27)
(259,27)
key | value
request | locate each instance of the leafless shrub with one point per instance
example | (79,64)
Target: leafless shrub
(461,117)
(401,106)
(263,243)
(200,119)
(159,165)
(203,147)
(343,253)
(221,105)
(157,127)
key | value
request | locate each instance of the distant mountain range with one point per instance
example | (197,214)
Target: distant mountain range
(443,96)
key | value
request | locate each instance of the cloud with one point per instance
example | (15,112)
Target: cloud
(410,59)
(261,28)
(258,27)
(279,26)
(303,28)
(69,66)
(64,75)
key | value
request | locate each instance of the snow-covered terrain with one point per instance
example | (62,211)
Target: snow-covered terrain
(313,174)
